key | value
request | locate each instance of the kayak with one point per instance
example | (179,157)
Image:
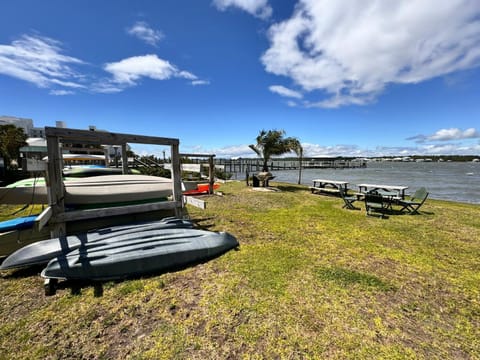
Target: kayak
(200,189)
(158,251)
(20,223)
(90,190)
(41,252)
(76,172)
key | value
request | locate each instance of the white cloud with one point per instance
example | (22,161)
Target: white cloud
(128,72)
(348,52)
(447,135)
(200,82)
(454,134)
(61,92)
(258,8)
(39,60)
(144,32)
(283,91)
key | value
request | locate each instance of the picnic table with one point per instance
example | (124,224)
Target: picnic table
(388,191)
(328,186)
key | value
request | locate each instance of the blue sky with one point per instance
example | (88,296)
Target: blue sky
(367,78)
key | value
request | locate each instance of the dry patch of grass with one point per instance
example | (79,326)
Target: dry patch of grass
(311,280)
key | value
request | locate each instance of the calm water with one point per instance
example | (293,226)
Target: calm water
(455,181)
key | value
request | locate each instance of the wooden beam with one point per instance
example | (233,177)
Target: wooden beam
(197,155)
(114,211)
(106,138)
(195,202)
(42,219)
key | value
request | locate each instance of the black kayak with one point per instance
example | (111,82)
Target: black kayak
(142,253)
(42,252)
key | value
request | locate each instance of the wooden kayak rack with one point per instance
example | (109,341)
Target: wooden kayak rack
(55,213)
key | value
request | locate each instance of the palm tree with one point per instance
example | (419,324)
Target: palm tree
(272,142)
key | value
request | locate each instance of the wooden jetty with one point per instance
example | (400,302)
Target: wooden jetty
(241,165)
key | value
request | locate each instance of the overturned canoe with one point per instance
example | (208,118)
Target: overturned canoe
(160,251)
(41,252)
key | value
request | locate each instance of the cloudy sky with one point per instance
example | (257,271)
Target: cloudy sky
(351,78)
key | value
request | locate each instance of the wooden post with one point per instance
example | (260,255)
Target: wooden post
(107,157)
(176,179)
(124,159)
(211,174)
(55,188)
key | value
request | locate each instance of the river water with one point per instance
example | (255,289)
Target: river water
(454,181)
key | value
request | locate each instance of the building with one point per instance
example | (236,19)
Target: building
(36,148)
(25,124)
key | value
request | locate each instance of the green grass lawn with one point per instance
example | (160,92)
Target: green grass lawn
(310,280)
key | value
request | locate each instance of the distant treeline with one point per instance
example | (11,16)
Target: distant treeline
(459,158)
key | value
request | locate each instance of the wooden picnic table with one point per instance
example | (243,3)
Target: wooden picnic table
(390,191)
(328,186)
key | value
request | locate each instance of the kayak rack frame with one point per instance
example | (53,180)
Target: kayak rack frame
(55,213)
(211,167)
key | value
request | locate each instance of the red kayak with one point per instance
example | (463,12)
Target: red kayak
(201,188)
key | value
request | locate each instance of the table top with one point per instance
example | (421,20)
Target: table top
(330,181)
(386,187)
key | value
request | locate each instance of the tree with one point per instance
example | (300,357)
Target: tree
(272,142)
(12,139)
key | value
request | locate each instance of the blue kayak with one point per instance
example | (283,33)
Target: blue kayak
(20,223)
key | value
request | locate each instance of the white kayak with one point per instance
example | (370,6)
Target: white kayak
(91,190)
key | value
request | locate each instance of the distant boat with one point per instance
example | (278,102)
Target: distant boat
(140,254)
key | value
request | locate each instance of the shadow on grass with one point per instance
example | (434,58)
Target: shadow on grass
(200,223)
(34,270)
(345,277)
(128,281)
(290,188)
